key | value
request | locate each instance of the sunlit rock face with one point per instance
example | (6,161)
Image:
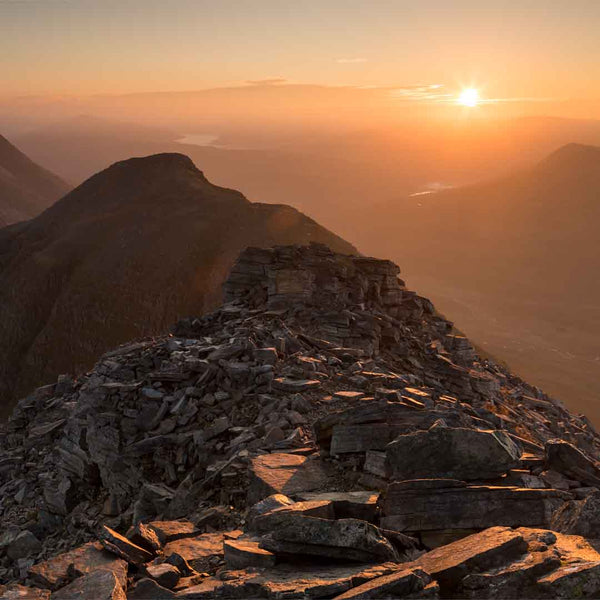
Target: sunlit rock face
(323,433)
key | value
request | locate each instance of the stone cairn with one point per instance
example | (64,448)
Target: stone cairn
(323,434)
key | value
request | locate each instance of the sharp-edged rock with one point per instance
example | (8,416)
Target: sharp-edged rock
(346,539)
(100,585)
(468,506)
(121,546)
(572,462)
(205,473)
(55,572)
(197,551)
(281,473)
(244,553)
(396,585)
(457,453)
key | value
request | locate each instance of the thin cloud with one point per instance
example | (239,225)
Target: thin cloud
(420,93)
(270,81)
(351,61)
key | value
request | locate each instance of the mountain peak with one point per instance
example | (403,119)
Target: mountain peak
(155,181)
(162,166)
(572,155)
(173,160)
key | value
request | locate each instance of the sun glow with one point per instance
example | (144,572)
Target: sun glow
(469,97)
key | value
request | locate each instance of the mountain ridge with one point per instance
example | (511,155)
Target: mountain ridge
(324,433)
(25,188)
(123,255)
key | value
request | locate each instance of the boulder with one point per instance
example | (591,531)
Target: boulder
(453,452)
(169,531)
(360,438)
(345,539)
(197,551)
(148,589)
(452,506)
(510,581)
(57,571)
(25,544)
(554,566)
(287,581)
(164,574)
(121,546)
(99,585)
(281,473)
(145,537)
(322,509)
(570,461)
(267,505)
(396,585)
(243,553)
(348,505)
(579,517)
(494,547)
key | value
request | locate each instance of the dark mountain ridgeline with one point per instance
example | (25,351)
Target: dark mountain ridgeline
(26,189)
(122,256)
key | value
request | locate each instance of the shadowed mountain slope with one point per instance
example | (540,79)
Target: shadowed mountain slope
(26,189)
(514,261)
(125,254)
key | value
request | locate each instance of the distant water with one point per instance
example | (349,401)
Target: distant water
(432,188)
(199,139)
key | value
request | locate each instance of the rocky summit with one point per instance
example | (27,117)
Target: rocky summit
(324,434)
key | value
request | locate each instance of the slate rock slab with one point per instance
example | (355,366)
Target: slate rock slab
(196,551)
(494,547)
(169,531)
(568,460)
(348,505)
(452,452)
(55,572)
(243,553)
(469,507)
(579,517)
(99,585)
(121,546)
(396,585)
(164,574)
(281,473)
(346,539)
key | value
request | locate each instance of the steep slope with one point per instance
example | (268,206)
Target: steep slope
(26,189)
(322,434)
(135,247)
(510,260)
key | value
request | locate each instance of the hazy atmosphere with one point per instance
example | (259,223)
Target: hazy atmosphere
(209,360)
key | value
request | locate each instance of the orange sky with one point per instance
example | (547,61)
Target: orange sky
(526,57)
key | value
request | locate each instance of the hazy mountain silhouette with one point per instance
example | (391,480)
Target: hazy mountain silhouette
(26,189)
(125,254)
(514,261)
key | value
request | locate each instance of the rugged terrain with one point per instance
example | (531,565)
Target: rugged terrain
(26,189)
(510,259)
(323,434)
(124,255)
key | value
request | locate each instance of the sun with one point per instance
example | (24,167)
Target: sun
(469,97)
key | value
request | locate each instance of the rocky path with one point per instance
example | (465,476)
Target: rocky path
(324,434)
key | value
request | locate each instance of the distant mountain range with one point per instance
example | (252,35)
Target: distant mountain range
(26,189)
(123,256)
(514,262)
